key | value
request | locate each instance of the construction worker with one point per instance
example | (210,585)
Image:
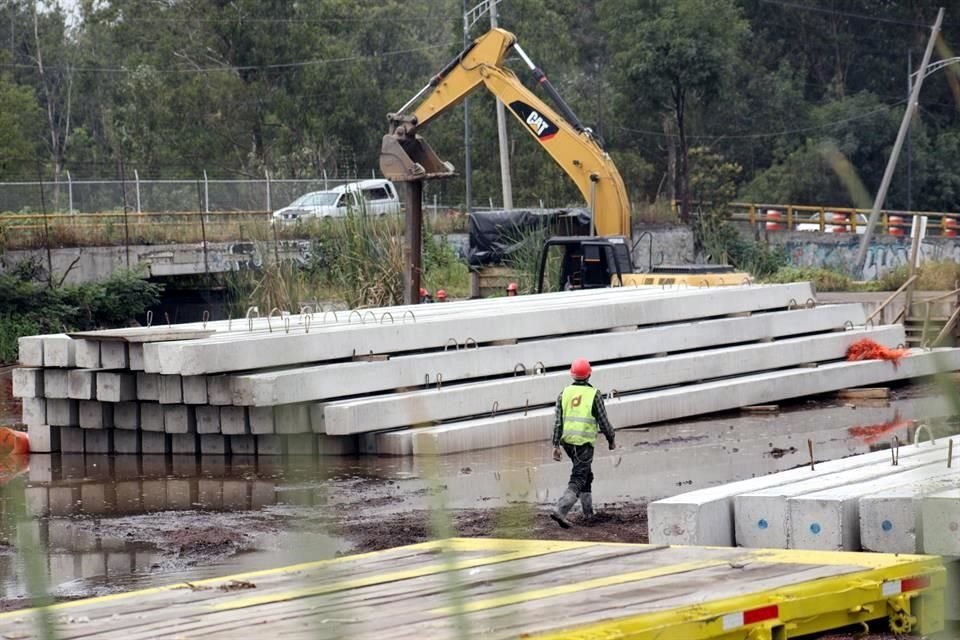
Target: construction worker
(512,289)
(425,296)
(580,415)
(441,295)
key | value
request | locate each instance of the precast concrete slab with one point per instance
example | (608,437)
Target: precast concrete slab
(234,421)
(113,355)
(218,390)
(891,521)
(116,386)
(44,439)
(194,390)
(459,401)
(33,411)
(171,390)
(208,419)
(30,351)
(55,383)
(148,386)
(331,381)
(95,415)
(620,310)
(126,415)
(28,382)
(82,384)
(58,351)
(87,353)
(656,406)
(762,517)
(291,418)
(830,520)
(151,416)
(63,413)
(940,517)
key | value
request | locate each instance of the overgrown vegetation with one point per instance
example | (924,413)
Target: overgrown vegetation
(934,276)
(823,279)
(29,308)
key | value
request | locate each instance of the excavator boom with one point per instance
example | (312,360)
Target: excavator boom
(406,156)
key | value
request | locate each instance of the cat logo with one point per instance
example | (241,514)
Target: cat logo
(539,124)
(576,401)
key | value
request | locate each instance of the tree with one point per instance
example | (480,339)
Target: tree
(20,124)
(675,56)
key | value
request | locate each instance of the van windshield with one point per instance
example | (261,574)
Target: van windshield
(316,199)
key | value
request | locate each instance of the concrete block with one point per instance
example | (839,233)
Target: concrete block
(301,444)
(208,419)
(113,355)
(151,417)
(289,418)
(269,445)
(148,386)
(194,389)
(126,441)
(87,353)
(30,351)
(55,383)
(261,420)
(243,445)
(179,419)
(892,521)
(135,356)
(82,384)
(71,439)
(58,351)
(183,443)
(171,390)
(116,386)
(234,421)
(96,415)
(218,390)
(214,444)
(43,439)
(98,440)
(28,382)
(33,411)
(63,413)
(126,415)
(154,442)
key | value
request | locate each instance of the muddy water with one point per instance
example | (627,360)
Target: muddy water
(109,523)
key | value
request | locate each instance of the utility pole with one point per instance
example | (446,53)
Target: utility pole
(897,146)
(502,132)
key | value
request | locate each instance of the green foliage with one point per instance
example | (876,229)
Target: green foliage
(13,327)
(934,276)
(823,279)
(724,245)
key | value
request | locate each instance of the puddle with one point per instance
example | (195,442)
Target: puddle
(114,523)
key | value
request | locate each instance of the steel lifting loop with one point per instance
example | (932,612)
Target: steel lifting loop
(383,317)
(206,318)
(526,406)
(403,320)
(705,283)
(613,394)
(895,451)
(792,304)
(270,317)
(539,368)
(494,408)
(305,308)
(250,312)
(469,341)
(166,317)
(439,380)
(811,303)
(371,314)
(869,323)
(286,324)
(426,380)
(456,345)
(335,318)
(748,281)
(307,321)
(900,345)
(848,325)
(229,322)
(519,367)
(350,317)
(930,438)
(149,318)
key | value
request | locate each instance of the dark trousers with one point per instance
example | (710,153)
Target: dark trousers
(581,477)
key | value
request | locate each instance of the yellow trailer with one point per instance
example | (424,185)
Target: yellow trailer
(485,588)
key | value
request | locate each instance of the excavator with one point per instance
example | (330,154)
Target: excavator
(602,259)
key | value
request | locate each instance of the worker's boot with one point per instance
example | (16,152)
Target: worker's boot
(586,503)
(564,504)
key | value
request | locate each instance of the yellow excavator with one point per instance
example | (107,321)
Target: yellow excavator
(602,259)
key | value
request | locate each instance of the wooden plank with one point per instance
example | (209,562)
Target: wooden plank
(864,393)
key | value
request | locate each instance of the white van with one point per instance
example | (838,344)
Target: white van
(375,197)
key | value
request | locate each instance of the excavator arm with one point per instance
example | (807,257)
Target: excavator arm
(406,156)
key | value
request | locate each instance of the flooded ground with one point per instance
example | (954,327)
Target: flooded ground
(111,523)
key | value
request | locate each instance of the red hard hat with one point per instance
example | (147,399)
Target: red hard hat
(580,369)
(423,292)
(512,286)
(441,293)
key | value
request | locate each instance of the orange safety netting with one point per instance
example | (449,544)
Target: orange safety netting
(867,349)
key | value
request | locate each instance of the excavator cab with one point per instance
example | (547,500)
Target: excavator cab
(585,262)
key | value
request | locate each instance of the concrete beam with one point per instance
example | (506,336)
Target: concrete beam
(331,381)
(58,351)
(63,413)
(148,386)
(620,307)
(891,521)
(95,415)
(151,417)
(126,415)
(677,402)
(171,390)
(234,421)
(87,353)
(55,383)
(459,401)
(116,386)
(30,350)
(28,382)
(33,411)
(208,419)
(82,384)
(43,439)
(940,518)
(194,390)
(113,355)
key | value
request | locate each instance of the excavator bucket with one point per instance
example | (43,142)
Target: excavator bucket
(404,158)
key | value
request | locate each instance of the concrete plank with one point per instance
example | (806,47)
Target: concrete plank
(618,308)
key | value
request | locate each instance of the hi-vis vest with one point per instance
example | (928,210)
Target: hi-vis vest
(579,425)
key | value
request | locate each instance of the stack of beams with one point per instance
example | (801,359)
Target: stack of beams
(863,502)
(440,378)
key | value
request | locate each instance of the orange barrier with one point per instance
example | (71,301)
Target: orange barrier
(950,227)
(13,442)
(773,220)
(895,226)
(840,222)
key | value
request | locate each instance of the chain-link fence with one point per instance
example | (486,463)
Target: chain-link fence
(154,195)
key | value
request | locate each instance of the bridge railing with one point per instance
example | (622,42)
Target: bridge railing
(790,217)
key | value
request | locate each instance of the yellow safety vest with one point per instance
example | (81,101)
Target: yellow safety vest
(579,425)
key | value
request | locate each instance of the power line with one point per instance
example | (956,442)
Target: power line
(846,14)
(777,134)
(231,68)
